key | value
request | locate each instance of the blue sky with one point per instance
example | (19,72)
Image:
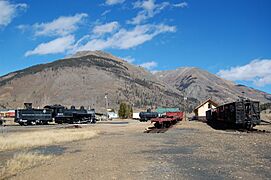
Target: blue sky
(228,38)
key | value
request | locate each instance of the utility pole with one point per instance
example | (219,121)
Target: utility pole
(106,104)
(185,108)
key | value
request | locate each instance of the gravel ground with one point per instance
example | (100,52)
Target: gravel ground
(189,150)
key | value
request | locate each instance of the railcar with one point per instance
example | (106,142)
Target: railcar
(145,116)
(168,120)
(240,114)
(30,115)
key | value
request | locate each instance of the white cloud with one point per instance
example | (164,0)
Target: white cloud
(149,65)
(113,2)
(149,10)
(258,71)
(148,5)
(59,45)
(105,28)
(8,11)
(125,39)
(129,59)
(23,27)
(181,5)
(106,12)
(61,26)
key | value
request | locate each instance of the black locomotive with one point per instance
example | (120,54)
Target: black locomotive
(58,113)
(145,116)
(62,114)
(240,114)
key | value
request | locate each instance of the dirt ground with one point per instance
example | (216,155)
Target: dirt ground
(189,150)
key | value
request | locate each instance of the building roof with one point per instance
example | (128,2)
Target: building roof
(208,100)
(164,110)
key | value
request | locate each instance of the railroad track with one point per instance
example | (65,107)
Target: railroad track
(254,131)
(156,130)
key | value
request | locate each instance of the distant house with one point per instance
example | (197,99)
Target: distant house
(201,109)
(112,115)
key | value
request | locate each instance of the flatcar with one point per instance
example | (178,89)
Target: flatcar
(167,120)
(240,114)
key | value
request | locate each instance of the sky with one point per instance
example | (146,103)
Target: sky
(229,38)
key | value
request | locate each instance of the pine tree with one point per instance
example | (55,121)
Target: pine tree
(122,110)
(125,111)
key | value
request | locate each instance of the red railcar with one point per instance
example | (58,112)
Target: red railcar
(169,119)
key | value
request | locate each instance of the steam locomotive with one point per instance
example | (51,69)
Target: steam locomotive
(240,114)
(58,113)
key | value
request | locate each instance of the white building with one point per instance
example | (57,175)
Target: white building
(136,116)
(201,109)
(112,115)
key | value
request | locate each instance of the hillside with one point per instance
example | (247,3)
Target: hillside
(195,82)
(84,79)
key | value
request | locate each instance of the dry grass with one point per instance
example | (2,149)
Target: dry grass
(43,138)
(21,162)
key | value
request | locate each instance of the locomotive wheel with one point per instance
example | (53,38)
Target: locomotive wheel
(21,123)
(249,126)
(59,122)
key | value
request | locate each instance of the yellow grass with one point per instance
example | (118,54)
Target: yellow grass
(43,138)
(21,162)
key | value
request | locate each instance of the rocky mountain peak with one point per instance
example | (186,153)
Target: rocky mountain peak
(97,53)
(196,82)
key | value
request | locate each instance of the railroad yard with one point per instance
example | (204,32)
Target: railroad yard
(120,149)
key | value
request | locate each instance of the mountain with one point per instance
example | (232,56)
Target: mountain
(195,82)
(84,79)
